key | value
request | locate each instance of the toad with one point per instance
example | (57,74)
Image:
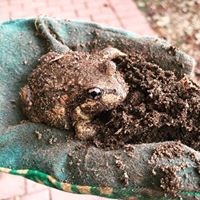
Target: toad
(70,89)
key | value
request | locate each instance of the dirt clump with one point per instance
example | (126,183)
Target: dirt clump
(170,182)
(169,150)
(159,107)
(38,135)
(169,174)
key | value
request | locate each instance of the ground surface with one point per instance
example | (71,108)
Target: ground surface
(177,21)
(123,14)
(117,13)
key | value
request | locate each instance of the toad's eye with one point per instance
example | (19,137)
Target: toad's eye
(95,93)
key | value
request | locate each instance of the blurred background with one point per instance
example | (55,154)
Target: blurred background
(123,14)
(177,21)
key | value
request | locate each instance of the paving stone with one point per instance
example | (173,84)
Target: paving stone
(42,195)
(32,186)
(117,13)
(11,186)
(59,195)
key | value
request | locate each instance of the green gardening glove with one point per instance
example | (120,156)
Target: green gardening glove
(51,156)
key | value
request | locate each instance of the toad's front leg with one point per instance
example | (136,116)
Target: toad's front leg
(82,117)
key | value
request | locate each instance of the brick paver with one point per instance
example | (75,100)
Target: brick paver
(11,185)
(41,195)
(117,13)
(58,195)
(32,187)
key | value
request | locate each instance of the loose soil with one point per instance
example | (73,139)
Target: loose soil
(159,107)
(177,21)
(170,181)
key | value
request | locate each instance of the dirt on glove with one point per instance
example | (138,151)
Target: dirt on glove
(159,107)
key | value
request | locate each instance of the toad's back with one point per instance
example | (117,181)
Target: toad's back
(60,84)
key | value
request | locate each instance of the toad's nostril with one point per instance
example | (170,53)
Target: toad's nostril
(122,92)
(119,93)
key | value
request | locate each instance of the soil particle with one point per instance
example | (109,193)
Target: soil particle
(70,163)
(129,149)
(172,50)
(122,167)
(52,140)
(119,163)
(25,62)
(125,179)
(38,135)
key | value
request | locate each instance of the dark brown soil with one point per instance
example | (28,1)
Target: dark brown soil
(159,107)
(170,180)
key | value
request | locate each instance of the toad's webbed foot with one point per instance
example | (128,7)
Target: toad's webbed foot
(82,123)
(85,130)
